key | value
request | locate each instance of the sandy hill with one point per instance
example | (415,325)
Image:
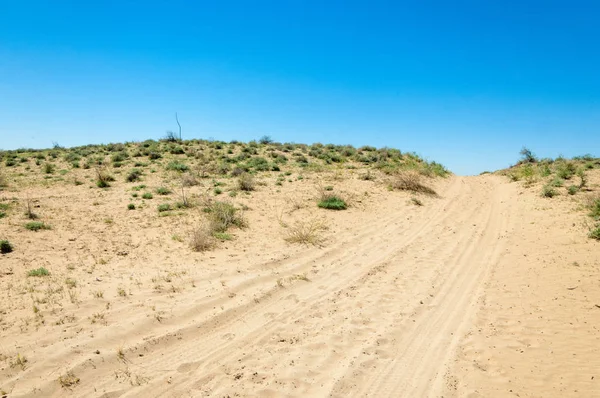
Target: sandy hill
(200,268)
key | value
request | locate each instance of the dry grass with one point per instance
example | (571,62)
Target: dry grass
(68,380)
(202,239)
(306,232)
(411,181)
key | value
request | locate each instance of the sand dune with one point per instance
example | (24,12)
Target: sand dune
(485,291)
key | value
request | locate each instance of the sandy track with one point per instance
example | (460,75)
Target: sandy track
(380,314)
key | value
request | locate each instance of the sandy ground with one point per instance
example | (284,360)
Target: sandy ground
(488,290)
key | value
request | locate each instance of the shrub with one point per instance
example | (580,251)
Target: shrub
(572,189)
(548,192)
(527,156)
(306,232)
(131,206)
(595,233)
(411,181)
(163,191)
(246,182)
(164,207)
(103,179)
(177,166)
(557,182)
(222,215)
(147,195)
(38,272)
(134,175)
(332,202)
(36,226)
(565,170)
(5,247)
(202,239)
(49,168)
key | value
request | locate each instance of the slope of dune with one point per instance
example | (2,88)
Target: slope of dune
(485,289)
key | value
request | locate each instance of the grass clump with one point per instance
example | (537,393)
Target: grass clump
(594,207)
(134,175)
(223,215)
(131,206)
(548,191)
(572,189)
(306,232)
(177,166)
(202,239)
(163,191)
(595,233)
(164,207)
(332,202)
(103,179)
(68,380)
(36,226)
(147,195)
(5,247)
(411,181)
(38,272)
(246,182)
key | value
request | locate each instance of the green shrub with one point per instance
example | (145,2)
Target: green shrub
(548,192)
(134,175)
(147,195)
(36,226)
(332,202)
(572,189)
(565,170)
(131,206)
(177,166)
(5,247)
(222,215)
(595,233)
(38,272)
(246,182)
(49,168)
(164,207)
(163,191)
(557,182)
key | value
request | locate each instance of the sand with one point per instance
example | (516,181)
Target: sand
(488,290)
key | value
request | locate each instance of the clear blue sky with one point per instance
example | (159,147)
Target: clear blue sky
(465,83)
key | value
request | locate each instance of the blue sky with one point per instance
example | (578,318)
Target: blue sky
(465,83)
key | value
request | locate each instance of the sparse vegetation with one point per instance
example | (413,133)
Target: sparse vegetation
(38,272)
(36,226)
(548,191)
(308,232)
(332,202)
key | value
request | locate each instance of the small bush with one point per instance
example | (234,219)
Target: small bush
(134,175)
(332,202)
(306,232)
(147,195)
(222,215)
(202,240)
(49,168)
(36,226)
(595,233)
(246,182)
(163,191)
(572,189)
(548,192)
(38,272)
(131,206)
(164,207)
(5,247)
(411,181)
(103,179)
(177,166)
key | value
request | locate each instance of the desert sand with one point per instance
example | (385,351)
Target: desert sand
(487,290)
